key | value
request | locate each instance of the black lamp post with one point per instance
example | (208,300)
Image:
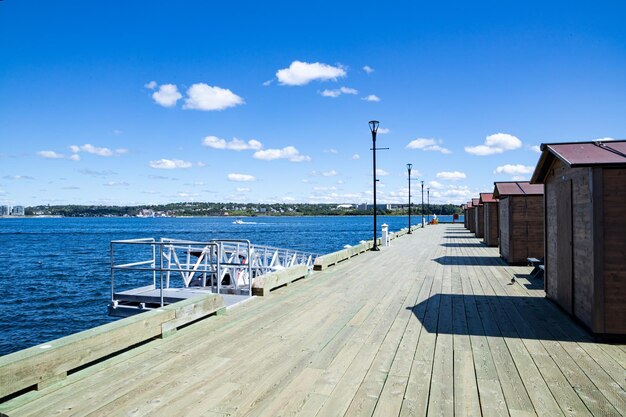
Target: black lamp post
(408,167)
(422,203)
(374,129)
(428,204)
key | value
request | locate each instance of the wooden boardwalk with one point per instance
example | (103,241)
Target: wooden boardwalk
(430,326)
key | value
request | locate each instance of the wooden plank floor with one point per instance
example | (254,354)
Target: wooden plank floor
(430,326)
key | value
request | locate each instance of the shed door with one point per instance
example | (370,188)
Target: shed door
(564,258)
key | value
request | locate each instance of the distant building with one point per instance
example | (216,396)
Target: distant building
(365,207)
(17,211)
(5,210)
(145,213)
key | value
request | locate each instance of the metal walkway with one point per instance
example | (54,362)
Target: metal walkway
(155,272)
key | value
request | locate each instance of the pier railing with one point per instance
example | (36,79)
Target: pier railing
(223,266)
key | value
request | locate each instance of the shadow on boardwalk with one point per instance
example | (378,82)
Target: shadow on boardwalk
(467,260)
(497,316)
(464,245)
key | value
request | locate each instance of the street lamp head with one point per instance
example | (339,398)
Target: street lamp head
(409,166)
(374,125)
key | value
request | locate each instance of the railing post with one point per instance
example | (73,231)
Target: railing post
(112,275)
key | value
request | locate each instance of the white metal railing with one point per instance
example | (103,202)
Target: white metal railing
(221,265)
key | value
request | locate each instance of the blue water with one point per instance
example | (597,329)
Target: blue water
(55,277)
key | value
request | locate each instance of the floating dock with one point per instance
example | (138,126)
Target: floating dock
(179,270)
(431,325)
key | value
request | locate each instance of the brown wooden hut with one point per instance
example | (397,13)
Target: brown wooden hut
(490,208)
(585,211)
(520,213)
(471,223)
(479,218)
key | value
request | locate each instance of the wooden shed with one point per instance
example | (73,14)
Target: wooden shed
(490,218)
(471,223)
(479,217)
(585,211)
(520,213)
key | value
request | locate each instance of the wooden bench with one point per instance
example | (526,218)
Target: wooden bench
(538,267)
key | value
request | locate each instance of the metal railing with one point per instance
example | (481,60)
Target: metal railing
(221,265)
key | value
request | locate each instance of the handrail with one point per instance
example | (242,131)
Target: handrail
(207,263)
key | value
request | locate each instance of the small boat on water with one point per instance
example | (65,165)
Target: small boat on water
(239,221)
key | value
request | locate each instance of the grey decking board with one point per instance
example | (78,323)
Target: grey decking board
(276,351)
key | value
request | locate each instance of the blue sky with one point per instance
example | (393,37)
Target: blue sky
(152,102)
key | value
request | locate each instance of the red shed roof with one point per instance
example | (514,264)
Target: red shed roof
(580,154)
(503,189)
(487,198)
(469,204)
(475,201)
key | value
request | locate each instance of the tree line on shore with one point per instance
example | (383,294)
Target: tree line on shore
(229,209)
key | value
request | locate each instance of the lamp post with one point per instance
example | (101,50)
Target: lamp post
(374,128)
(428,204)
(408,167)
(422,203)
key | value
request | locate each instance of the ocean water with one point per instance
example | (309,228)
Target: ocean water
(55,277)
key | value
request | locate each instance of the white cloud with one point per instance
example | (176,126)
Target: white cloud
(420,143)
(383,131)
(427,145)
(603,139)
(371,97)
(495,144)
(435,184)
(381,172)
(241,177)
(302,73)
(151,85)
(50,155)
(331,150)
(331,173)
(234,145)
(453,194)
(116,184)
(18,177)
(96,150)
(167,95)
(535,148)
(324,188)
(519,178)
(170,164)
(356,156)
(288,152)
(75,157)
(200,164)
(438,148)
(267,83)
(368,69)
(118,132)
(510,169)
(451,175)
(201,96)
(338,92)
(242,189)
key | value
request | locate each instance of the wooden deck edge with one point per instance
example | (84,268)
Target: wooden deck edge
(50,362)
(325,261)
(268,282)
